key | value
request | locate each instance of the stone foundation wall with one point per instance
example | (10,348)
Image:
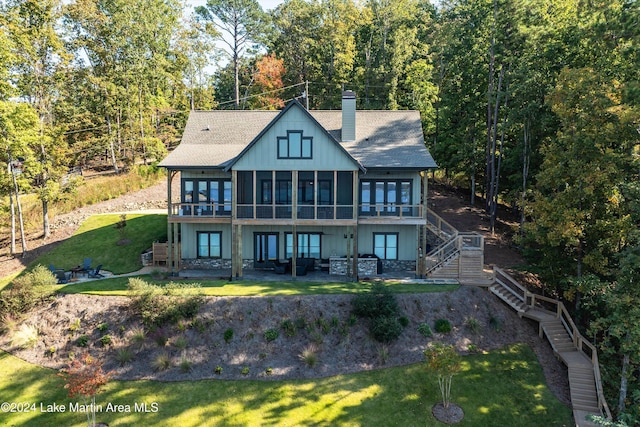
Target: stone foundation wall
(398,265)
(367,267)
(213,264)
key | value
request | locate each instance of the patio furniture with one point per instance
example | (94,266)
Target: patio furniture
(280,267)
(62,276)
(86,264)
(95,274)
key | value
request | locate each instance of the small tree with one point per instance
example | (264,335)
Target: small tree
(85,377)
(445,363)
(120,226)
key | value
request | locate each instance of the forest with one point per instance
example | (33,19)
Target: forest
(530,104)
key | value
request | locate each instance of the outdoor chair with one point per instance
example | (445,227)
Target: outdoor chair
(86,264)
(62,276)
(280,267)
(95,274)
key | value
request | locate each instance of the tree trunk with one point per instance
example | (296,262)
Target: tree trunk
(144,145)
(490,116)
(623,383)
(12,211)
(45,218)
(20,218)
(111,146)
(526,159)
(496,173)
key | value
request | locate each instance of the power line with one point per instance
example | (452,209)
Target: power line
(262,93)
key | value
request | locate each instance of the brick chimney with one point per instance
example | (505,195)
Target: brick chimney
(348,116)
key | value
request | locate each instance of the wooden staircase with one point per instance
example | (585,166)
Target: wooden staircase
(568,344)
(458,256)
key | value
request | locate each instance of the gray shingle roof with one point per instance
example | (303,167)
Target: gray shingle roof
(384,139)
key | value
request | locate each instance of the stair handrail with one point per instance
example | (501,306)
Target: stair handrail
(441,228)
(579,341)
(442,254)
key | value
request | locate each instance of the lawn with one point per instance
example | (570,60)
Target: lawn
(98,238)
(502,388)
(118,286)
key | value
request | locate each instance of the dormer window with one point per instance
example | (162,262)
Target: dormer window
(295,146)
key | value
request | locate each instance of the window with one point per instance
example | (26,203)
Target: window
(385,196)
(212,193)
(305,188)
(295,146)
(265,247)
(385,245)
(209,244)
(308,245)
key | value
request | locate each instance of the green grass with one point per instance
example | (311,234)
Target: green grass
(502,388)
(97,238)
(118,286)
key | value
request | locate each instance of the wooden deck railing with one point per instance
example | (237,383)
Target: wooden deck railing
(556,307)
(439,226)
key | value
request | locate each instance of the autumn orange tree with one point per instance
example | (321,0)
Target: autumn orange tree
(85,377)
(268,83)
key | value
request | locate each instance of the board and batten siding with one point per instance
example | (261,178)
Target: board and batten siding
(189,235)
(326,153)
(407,239)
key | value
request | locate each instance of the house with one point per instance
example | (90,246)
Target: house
(296,190)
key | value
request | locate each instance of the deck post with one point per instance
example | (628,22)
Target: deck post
(294,219)
(355,201)
(169,234)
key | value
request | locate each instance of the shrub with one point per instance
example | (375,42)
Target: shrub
(74,326)
(25,337)
(185,364)
(160,305)
(383,354)
(425,330)
(443,326)
(495,323)
(268,371)
(385,329)
(404,321)
(162,362)
(271,334)
(228,335)
(288,327)
(379,301)
(27,291)
(309,355)
(323,325)
(8,323)
(124,356)
(102,327)
(137,337)
(82,341)
(160,336)
(245,370)
(218,370)
(473,325)
(181,343)
(381,308)
(105,340)
(301,323)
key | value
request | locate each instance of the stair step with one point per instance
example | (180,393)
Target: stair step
(582,384)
